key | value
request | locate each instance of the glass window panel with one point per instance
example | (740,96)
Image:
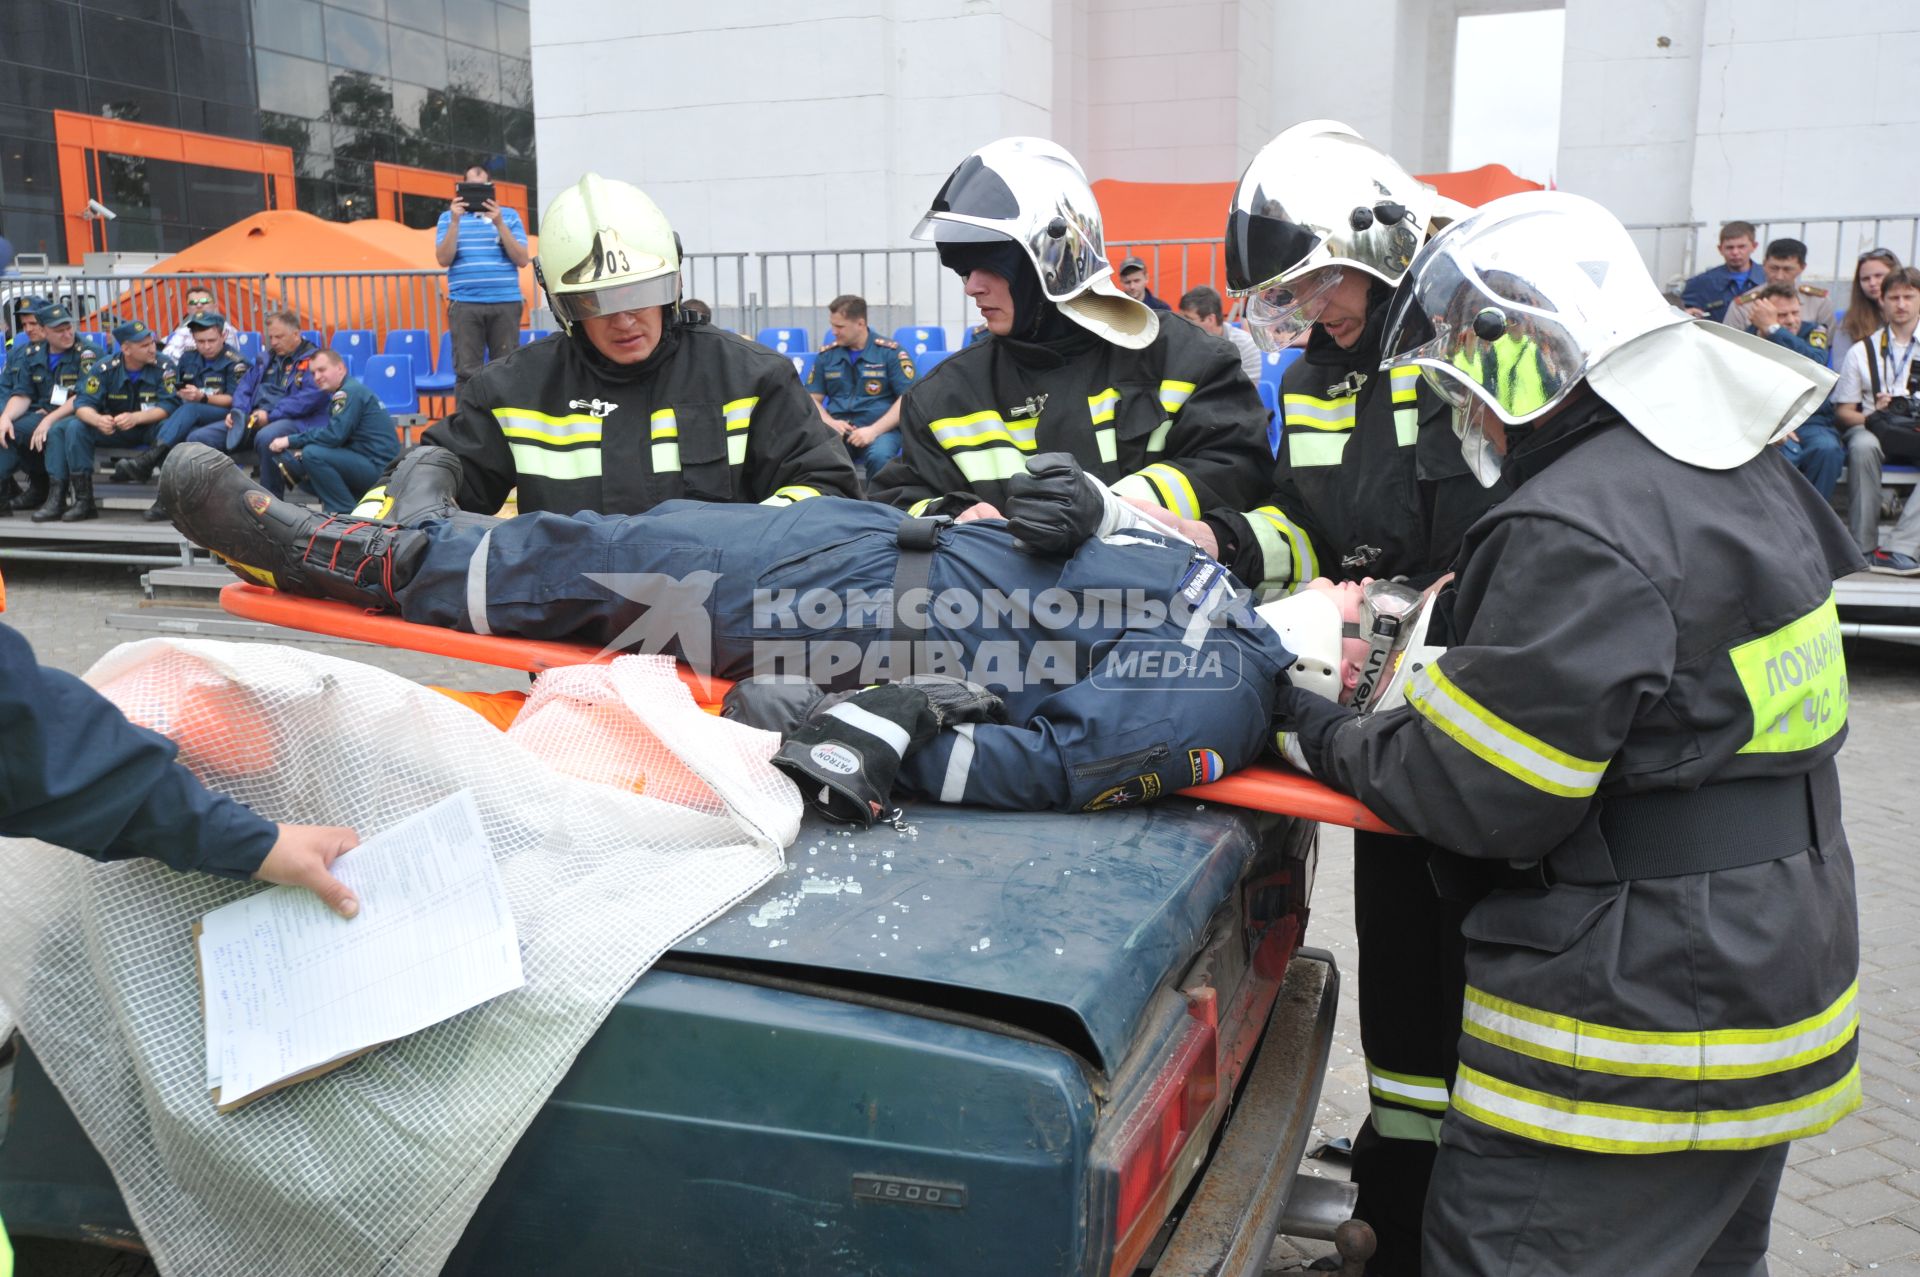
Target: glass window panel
(423,15)
(221,197)
(421,112)
(472,22)
(42,92)
(220,19)
(516,83)
(474,72)
(516,132)
(26,121)
(43,34)
(291,86)
(421,212)
(29,174)
(314,195)
(475,125)
(372,8)
(129,51)
(435,156)
(358,144)
(146,10)
(513,26)
(359,103)
(291,26)
(129,102)
(220,118)
(34,233)
(418,56)
(215,70)
(356,43)
(126,235)
(304,137)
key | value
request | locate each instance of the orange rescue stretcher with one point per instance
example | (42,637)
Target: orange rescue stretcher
(1279,790)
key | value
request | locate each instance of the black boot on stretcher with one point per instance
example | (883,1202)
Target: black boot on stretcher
(272,542)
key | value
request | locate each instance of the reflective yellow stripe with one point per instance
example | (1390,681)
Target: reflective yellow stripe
(1708,1055)
(1164,485)
(983,428)
(1104,441)
(561,432)
(1157,441)
(570,463)
(920,507)
(1404,381)
(985,465)
(792,492)
(1310,413)
(736,449)
(1485,734)
(665,433)
(374,504)
(528,415)
(1286,551)
(1616,1128)
(1398,1124)
(1174,394)
(1100,406)
(739,412)
(1411,1089)
(1316,449)
(1796,680)
(664,424)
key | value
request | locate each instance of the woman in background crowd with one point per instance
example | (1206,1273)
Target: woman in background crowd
(1863,309)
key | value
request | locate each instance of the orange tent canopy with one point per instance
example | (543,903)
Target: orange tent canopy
(275,245)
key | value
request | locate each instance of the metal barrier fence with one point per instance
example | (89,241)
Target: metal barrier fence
(1668,249)
(1834,244)
(377,300)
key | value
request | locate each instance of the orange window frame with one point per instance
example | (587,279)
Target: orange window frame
(79,139)
(391,181)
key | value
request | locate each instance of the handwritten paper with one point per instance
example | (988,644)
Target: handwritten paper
(291,987)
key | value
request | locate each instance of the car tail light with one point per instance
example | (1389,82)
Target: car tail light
(1182,1102)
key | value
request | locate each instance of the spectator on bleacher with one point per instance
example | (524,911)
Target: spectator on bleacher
(40,389)
(1880,368)
(1158,411)
(279,391)
(204,382)
(344,455)
(632,405)
(856,383)
(1863,305)
(1201,305)
(199,302)
(1133,278)
(483,250)
(1814,448)
(1785,261)
(1709,293)
(122,401)
(695,311)
(26,321)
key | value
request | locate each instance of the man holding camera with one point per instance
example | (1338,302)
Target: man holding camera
(1877,403)
(483,248)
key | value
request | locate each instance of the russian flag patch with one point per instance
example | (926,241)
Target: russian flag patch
(1207,765)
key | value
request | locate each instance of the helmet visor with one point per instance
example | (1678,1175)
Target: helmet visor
(1279,314)
(615,298)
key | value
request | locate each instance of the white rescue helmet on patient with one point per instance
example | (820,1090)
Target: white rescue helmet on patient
(605,248)
(1033,192)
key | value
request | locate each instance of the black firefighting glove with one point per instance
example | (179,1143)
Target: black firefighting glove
(1306,722)
(1051,508)
(772,703)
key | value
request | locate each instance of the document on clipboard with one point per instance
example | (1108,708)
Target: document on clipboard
(292,990)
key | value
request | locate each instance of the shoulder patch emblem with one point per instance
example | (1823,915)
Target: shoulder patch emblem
(1128,793)
(1207,765)
(886,343)
(1812,291)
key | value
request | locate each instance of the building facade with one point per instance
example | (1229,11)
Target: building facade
(227,99)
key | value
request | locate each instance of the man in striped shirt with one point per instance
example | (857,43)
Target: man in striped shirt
(483,250)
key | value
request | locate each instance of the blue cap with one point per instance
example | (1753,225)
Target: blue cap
(212,319)
(52,315)
(132,330)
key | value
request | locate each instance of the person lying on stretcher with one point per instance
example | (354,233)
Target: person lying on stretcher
(1074,657)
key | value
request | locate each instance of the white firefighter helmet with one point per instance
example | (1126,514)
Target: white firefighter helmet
(605,248)
(1031,191)
(1506,311)
(1310,626)
(1317,201)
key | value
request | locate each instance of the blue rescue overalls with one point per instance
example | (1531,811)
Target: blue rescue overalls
(47,379)
(343,457)
(109,389)
(859,386)
(1130,670)
(220,375)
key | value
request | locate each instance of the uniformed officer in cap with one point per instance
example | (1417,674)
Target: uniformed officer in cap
(1160,412)
(26,323)
(629,405)
(123,402)
(1629,742)
(204,381)
(1784,262)
(41,388)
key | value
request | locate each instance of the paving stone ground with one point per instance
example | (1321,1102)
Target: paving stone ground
(1850,1200)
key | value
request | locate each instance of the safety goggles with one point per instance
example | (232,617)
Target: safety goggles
(1387,612)
(614,299)
(1279,314)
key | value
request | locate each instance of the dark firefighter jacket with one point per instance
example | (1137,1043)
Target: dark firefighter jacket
(1177,424)
(1369,480)
(708,415)
(1645,670)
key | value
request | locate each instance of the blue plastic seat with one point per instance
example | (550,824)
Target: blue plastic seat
(526,337)
(412,342)
(355,345)
(440,380)
(924,364)
(1275,362)
(99,341)
(250,345)
(974,334)
(312,335)
(803,364)
(918,341)
(390,377)
(539,333)
(788,341)
(1270,396)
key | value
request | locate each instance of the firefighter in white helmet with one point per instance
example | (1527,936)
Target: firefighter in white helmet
(632,403)
(1629,742)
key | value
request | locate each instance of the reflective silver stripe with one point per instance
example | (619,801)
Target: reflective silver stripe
(1300,410)
(889,733)
(953,788)
(477,585)
(1499,743)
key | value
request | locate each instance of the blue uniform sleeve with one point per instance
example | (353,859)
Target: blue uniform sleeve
(249,387)
(74,772)
(335,430)
(1797,344)
(303,397)
(1694,295)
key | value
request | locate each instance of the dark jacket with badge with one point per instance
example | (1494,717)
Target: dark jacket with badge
(111,388)
(42,376)
(1639,708)
(858,386)
(221,375)
(1177,424)
(709,415)
(283,385)
(357,421)
(1369,479)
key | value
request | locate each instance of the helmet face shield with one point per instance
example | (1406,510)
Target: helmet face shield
(1278,314)
(572,307)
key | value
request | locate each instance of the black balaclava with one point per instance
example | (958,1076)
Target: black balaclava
(1040,329)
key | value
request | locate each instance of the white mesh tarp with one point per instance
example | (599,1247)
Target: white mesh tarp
(378,1166)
